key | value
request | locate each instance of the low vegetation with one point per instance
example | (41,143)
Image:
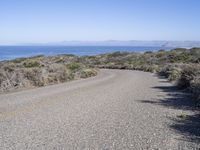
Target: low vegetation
(182,66)
(40,71)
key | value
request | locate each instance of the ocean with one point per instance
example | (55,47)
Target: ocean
(12,52)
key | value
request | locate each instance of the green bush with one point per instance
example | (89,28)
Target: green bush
(88,73)
(18,60)
(175,57)
(31,64)
(174,74)
(73,66)
(188,74)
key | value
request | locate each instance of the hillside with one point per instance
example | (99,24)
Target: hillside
(40,71)
(178,65)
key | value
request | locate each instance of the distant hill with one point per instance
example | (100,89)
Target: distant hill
(183,44)
(131,43)
(187,44)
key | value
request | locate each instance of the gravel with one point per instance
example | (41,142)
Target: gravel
(114,110)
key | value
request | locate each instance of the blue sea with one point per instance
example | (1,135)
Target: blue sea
(12,52)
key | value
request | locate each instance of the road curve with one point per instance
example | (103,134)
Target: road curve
(109,111)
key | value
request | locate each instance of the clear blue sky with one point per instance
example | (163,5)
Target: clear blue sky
(23,21)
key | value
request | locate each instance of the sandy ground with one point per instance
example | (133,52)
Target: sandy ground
(114,110)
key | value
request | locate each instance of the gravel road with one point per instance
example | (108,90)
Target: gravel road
(114,110)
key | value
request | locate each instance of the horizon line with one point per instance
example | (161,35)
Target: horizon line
(87,42)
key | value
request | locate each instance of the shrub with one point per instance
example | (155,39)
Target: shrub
(9,67)
(160,54)
(161,51)
(34,76)
(73,66)
(31,64)
(116,54)
(40,71)
(195,87)
(148,52)
(174,74)
(171,71)
(188,74)
(18,60)
(175,57)
(88,73)
(59,60)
